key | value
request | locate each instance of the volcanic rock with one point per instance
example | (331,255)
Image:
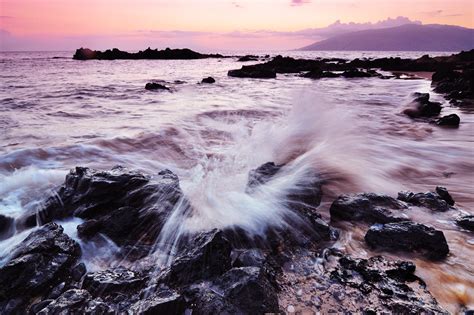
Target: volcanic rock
(452,120)
(423,107)
(87,54)
(156,86)
(440,200)
(408,237)
(209,80)
(6,227)
(115,280)
(466,222)
(368,207)
(252,72)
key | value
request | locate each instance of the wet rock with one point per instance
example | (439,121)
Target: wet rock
(456,85)
(6,227)
(376,284)
(262,174)
(248,58)
(319,74)
(243,290)
(125,205)
(408,237)
(356,73)
(202,256)
(367,207)
(112,54)
(423,107)
(466,222)
(41,261)
(102,283)
(430,200)
(78,271)
(452,120)
(156,86)
(253,257)
(76,301)
(209,80)
(252,72)
(163,302)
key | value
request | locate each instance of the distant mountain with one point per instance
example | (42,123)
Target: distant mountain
(409,37)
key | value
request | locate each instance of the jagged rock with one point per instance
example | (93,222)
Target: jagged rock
(203,256)
(163,302)
(430,200)
(209,80)
(125,205)
(6,227)
(375,285)
(466,222)
(248,58)
(319,74)
(243,290)
(102,283)
(408,237)
(253,257)
(41,261)
(452,120)
(156,86)
(88,54)
(76,301)
(423,107)
(262,174)
(78,271)
(368,207)
(251,72)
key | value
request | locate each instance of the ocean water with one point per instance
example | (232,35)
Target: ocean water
(57,113)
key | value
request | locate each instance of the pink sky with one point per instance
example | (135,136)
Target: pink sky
(200,24)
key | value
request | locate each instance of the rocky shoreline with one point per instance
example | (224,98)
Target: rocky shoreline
(217,271)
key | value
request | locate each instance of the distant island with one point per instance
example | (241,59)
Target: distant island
(112,54)
(408,37)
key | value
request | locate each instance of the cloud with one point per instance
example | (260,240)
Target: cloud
(295,3)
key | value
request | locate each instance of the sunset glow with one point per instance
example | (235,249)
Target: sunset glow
(201,24)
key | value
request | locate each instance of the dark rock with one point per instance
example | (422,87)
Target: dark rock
(78,271)
(445,195)
(87,54)
(376,284)
(102,283)
(452,120)
(262,174)
(209,80)
(6,227)
(356,73)
(368,207)
(251,72)
(57,291)
(456,85)
(41,261)
(76,301)
(156,86)
(243,290)
(408,237)
(466,222)
(423,107)
(35,308)
(249,258)
(248,58)
(163,302)
(319,74)
(127,206)
(202,256)
(430,200)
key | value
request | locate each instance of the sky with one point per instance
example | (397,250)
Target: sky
(205,24)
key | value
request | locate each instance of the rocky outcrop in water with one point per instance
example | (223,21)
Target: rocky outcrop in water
(408,237)
(156,86)
(457,86)
(369,208)
(423,107)
(452,120)
(248,58)
(466,222)
(112,54)
(208,80)
(440,200)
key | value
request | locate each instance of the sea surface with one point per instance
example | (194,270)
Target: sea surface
(57,113)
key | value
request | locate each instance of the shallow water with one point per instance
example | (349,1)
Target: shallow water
(56,113)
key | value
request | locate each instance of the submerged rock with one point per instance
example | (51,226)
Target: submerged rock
(42,260)
(452,120)
(466,222)
(440,200)
(368,207)
(208,80)
(156,86)
(408,237)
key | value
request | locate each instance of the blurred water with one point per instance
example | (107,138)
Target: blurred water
(56,113)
